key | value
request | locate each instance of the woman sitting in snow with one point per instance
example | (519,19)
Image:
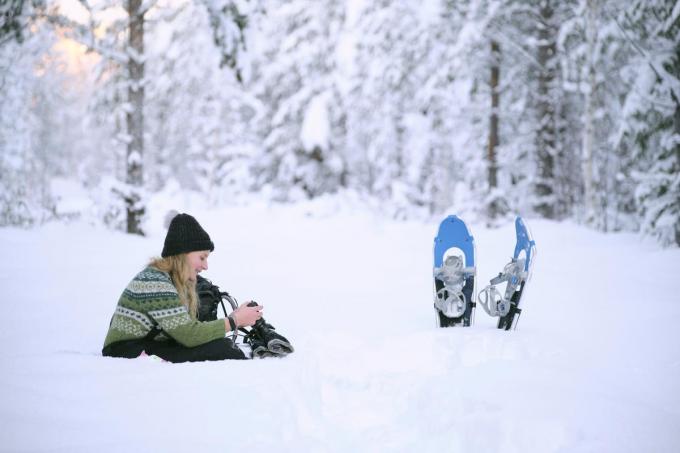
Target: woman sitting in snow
(156,313)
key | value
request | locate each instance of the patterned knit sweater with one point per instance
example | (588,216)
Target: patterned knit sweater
(150,299)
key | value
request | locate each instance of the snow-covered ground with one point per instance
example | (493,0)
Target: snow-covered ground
(593,367)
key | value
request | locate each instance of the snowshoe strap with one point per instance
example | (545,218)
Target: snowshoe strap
(491,301)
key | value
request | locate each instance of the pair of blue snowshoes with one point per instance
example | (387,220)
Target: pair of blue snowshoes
(455,277)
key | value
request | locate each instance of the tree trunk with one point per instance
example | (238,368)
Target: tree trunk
(589,128)
(546,135)
(676,130)
(135,118)
(493,128)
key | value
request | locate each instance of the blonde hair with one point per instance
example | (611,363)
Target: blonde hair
(178,268)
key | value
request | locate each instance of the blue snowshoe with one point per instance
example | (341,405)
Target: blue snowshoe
(454,274)
(515,274)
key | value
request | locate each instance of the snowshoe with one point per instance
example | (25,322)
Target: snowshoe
(454,274)
(515,275)
(263,334)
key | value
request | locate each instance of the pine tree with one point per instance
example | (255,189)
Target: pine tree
(295,81)
(382,92)
(198,113)
(594,55)
(505,103)
(25,112)
(499,189)
(122,64)
(119,108)
(653,114)
(487,74)
(410,72)
(229,22)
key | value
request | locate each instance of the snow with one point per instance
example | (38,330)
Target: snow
(428,10)
(315,129)
(74,10)
(593,366)
(70,197)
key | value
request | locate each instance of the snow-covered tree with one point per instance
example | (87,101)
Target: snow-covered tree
(117,35)
(295,81)
(652,114)
(229,22)
(30,98)
(411,131)
(119,107)
(200,117)
(382,96)
(546,106)
(595,52)
(484,107)
(455,92)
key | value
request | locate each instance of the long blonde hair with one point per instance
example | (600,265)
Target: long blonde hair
(178,268)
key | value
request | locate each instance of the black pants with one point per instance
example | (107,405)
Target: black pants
(170,350)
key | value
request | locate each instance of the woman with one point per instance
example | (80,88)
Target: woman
(156,313)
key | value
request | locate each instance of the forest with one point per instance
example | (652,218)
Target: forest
(563,110)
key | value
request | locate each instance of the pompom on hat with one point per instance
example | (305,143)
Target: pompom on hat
(185,235)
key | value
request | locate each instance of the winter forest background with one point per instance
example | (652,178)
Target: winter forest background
(487,108)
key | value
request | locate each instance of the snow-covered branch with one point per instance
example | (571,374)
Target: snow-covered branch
(84,35)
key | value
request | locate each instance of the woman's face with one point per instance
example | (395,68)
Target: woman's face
(198,261)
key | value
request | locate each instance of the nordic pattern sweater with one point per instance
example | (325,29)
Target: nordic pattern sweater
(150,299)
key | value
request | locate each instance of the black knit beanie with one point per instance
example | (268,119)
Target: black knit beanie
(185,235)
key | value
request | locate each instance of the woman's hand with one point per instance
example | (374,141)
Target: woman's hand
(245,316)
